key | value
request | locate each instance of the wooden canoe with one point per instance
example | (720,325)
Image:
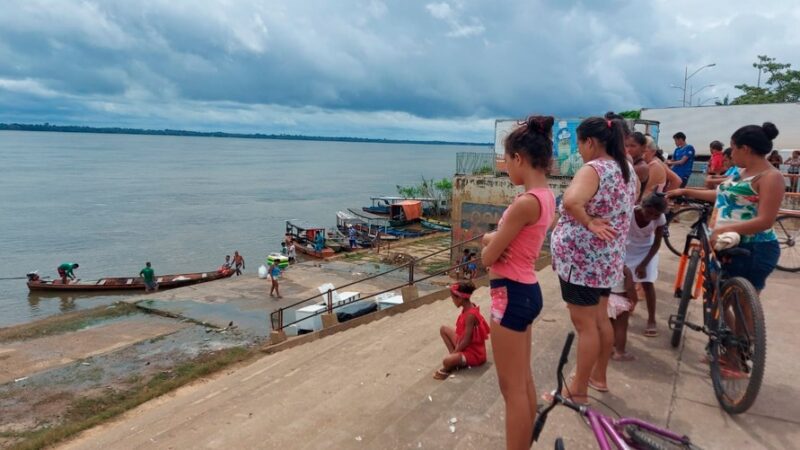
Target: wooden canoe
(130,283)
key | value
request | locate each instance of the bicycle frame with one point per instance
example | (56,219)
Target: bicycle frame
(607,431)
(605,428)
(708,279)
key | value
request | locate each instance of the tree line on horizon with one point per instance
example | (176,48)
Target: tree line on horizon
(168,132)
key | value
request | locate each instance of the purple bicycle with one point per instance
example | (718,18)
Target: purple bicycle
(624,432)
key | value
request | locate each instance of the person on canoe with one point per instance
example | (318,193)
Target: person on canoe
(149,276)
(65,270)
(227,264)
(238,262)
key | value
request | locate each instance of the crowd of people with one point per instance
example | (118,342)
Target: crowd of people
(606,240)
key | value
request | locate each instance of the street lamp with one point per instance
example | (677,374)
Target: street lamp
(705,100)
(692,92)
(686,77)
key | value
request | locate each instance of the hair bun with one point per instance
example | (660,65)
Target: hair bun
(541,124)
(770,130)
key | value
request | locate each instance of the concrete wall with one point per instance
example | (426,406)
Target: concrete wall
(479,202)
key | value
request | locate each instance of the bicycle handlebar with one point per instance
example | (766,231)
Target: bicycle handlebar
(684,200)
(539,425)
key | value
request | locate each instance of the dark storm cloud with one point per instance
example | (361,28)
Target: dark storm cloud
(277,65)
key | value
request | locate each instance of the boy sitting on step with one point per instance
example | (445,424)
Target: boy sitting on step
(466,344)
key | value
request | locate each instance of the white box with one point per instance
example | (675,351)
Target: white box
(310,317)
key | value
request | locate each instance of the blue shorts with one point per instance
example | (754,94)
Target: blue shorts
(757,266)
(515,305)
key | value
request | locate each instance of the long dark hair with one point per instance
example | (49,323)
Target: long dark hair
(759,138)
(533,138)
(611,133)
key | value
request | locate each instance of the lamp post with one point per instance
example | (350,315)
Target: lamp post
(686,77)
(705,100)
(692,92)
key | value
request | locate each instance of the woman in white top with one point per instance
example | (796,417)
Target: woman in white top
(641,256)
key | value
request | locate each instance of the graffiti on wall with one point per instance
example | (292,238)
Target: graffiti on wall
(477,218)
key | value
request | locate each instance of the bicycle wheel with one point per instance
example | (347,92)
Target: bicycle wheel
(678,227)
(686,296)
(651,440)
(739,353)
(788,230)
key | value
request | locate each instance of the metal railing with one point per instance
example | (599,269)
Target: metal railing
(276,317)
(473,163)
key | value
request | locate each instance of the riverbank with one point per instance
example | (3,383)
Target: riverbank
(70,372)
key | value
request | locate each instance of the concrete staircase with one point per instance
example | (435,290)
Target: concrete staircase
(371,387)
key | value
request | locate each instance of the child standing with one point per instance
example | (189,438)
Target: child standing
(461,272)
(466,344)
(794,169)
(274,272)
(641,255)
(510,254)
(621,303)
(472,265)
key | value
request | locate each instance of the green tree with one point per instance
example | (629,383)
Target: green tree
(437,190)
(781,86)
(632,114)
(725,101)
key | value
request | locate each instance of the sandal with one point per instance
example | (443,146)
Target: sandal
(592,384)
(622,357)
(440,375)
(597,387)
(548,397)
(651,331)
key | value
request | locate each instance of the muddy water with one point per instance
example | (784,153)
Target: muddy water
(112,202)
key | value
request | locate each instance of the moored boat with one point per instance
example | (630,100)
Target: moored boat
(309,239)
(405,212)
(434,225)
(126,283)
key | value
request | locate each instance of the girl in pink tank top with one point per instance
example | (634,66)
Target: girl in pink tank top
(510,253)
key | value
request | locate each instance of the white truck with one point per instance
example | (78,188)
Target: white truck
(703,124)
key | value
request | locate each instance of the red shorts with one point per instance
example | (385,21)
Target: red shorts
(472,358)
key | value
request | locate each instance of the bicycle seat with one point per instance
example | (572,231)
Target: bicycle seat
(733,252)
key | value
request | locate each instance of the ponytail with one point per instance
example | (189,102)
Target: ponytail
(611,132)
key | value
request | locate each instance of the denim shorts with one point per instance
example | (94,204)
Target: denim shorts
(515,305)
(757,266)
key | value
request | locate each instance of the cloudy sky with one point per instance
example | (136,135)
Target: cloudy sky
(372,68)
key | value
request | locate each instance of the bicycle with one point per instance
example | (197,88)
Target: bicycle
(676,227)
(787,227)
(733,318)
(624,432)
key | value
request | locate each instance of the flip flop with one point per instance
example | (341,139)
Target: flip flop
(651,332)
(622,357)
(548,397)
(440,375)
(597,387)
(592,384)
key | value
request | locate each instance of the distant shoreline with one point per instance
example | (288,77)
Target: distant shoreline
(218,134)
